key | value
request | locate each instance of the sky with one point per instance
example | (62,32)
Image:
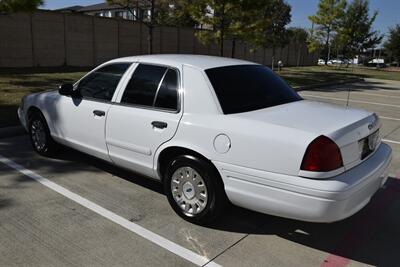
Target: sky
(389,11)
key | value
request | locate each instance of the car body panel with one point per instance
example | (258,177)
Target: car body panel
(307,199)
(200,62)
(344,125)
(68,114)
(301,115)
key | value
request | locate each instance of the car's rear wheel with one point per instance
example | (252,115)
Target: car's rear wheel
(194,189)
(39,133)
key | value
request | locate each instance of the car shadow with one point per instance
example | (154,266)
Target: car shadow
(374,228)
(71,155)
(5,202)
(371,236)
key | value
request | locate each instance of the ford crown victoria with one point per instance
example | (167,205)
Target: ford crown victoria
(216,130)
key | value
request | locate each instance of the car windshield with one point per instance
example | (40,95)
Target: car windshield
(242,88)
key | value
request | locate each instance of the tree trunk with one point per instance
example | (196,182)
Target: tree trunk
(222,29)
(327,46)
(233,48)
(221,45)
(273,58)
(150,40)
(299,54)
(288,54)
(151,27)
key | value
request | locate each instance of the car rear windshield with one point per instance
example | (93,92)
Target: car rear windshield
(242,88)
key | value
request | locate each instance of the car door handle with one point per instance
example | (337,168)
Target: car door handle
(159,124)
(99,113)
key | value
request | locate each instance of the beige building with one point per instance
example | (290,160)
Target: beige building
(110,11)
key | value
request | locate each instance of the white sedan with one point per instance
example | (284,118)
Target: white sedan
(216,130)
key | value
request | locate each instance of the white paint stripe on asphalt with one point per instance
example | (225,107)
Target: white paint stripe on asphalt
(211,264)
(391,141)
(391,91)
(391,96)
(389,118)
(355,101)
(137,229)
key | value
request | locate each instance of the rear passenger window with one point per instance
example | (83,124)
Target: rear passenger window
(167,96)
(142,88)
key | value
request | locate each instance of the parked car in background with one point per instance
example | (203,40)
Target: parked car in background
(376,62)
(214,130)
(347,61)
(337,61)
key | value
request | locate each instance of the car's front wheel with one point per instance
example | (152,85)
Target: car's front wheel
(39,133)
(194,189)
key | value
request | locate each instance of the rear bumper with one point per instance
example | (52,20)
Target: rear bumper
(305,199)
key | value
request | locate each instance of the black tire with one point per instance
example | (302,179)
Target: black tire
(216,196)
(46,146)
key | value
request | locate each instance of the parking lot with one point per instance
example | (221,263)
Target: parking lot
(75,210)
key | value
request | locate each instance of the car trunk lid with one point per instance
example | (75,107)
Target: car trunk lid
(355,131)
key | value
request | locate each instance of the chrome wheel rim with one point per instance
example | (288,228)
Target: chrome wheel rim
(189,190)
(38,134)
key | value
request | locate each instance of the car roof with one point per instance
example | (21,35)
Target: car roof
(177,60)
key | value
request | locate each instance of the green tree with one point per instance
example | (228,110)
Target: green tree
(314,43)
(298,37)
(269,27)
(134,7)
(239,26)
(160,12)
(355,33)
(220,18)
(175,13)
(327,19)
(392,45)
(19,5)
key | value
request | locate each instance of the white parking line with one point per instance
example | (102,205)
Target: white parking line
(391,141)
(389,118)
(137,229)
(371,94)
(355,101)
(391,91)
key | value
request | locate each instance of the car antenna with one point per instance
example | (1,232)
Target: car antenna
(348,97)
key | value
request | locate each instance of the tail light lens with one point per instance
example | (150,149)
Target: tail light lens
(322,155)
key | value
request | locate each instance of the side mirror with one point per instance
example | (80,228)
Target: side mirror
(66,89)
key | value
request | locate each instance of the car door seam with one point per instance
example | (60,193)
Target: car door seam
(159,86)
(182,112)
(105,133)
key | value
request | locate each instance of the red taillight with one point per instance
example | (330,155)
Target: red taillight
(322,155)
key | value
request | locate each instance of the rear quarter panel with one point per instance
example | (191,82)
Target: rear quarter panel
(253,145)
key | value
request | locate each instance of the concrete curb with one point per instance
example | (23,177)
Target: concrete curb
(11,131)
(319,85)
